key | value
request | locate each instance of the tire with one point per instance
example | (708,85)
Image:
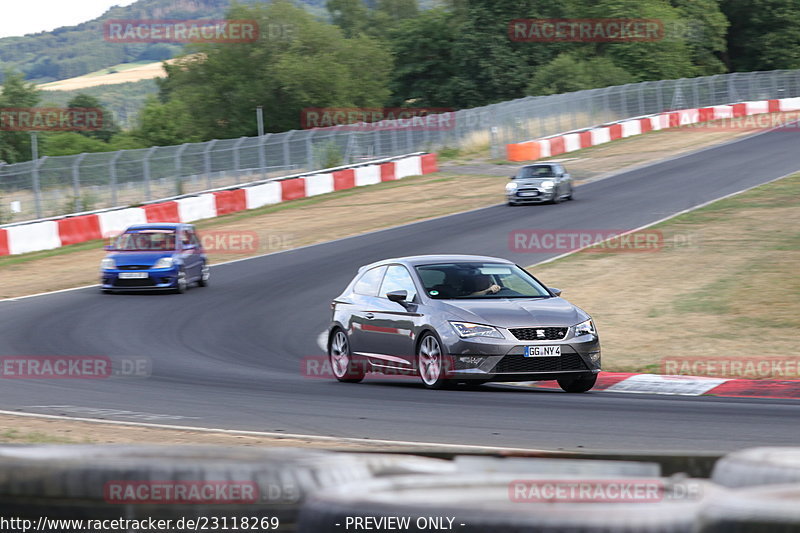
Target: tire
(77,481)
(758,466)
(181,284)
(571,194)
(344,367)
(431,365)
(484,502)
(205,276)
(556,197)
(576,385)
(772,509)
(512,204)
(106,291)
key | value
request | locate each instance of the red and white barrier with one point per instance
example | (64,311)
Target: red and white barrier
(569,142)
(49,234)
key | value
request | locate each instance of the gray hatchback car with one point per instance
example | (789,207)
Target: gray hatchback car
(460,319)
(539,183)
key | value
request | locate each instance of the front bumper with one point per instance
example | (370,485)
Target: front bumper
(504,359)
(542,197)
(157,279)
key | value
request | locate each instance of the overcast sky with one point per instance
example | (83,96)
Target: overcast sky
(30,16)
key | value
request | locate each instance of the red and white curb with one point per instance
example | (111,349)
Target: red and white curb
(685,385)
(37,235)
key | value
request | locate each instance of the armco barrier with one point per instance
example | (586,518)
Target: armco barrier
(82,227)
(575,140)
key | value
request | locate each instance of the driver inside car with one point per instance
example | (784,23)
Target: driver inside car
(483,285)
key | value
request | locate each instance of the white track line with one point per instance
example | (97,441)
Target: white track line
(314,438)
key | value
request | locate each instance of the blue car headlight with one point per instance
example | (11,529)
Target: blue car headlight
(467,330)
(585,328)
(165,262)
(108,264)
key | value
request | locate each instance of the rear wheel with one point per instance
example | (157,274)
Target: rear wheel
(579,384)
(342,364)
(431,362)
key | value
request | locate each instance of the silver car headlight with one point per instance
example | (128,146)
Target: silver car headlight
(547,184)
(585,328)
(108,264)
(511,187)
(164,262)
(467,330)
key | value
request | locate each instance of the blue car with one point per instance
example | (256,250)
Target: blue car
(155,256)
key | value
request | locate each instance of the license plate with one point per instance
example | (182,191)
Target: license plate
(529,193)
(133,275)
(542,351)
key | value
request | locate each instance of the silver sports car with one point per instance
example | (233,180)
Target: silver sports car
(539,183)
(460,318)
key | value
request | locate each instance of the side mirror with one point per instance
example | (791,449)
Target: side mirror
(567,176)
(397,296)
(555,291)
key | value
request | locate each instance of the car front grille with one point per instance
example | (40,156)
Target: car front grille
(514,364)
(539,334)
(146,282)
(134,267)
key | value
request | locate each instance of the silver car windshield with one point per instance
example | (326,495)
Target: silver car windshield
(543,171)
(448,281)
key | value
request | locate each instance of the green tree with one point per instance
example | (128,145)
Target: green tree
(567,73)
(703,26)
(213,92)
(109,128)
(17,93)
(763,34)
(352,16)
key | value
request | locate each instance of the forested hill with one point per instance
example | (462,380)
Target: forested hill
(76,50)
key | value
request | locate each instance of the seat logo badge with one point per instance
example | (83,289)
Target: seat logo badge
(540,333)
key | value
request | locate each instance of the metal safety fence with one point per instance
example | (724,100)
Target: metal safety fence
(52,186)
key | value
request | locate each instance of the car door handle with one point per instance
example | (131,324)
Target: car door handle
(369,316)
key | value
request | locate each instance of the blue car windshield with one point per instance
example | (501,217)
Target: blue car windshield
(146,240)
(448,281)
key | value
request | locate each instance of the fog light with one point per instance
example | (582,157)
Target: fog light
(471,360)
(594,357)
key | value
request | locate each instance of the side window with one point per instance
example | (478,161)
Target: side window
(398,279)
(370,281)
(186,237)
(559,170)
(193,238)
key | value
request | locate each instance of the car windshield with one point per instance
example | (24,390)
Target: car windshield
(146,240)
(446,281)
(538,171)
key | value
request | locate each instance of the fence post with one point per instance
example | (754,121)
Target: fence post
(76,183)
(236,162)
(37,191)
(310,149)
(179,167)
(287,154)
(146,170)
(262,157)
(112,171)
(207,161)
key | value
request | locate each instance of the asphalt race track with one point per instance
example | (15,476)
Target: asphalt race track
(229,356)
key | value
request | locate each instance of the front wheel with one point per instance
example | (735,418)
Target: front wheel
(580,384)
(181,284)
(342,365)
(205,275)
(431,362)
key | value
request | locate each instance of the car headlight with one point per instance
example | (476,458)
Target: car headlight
(585,328)
(164,262)
(511,187)
(108,264)
(466,330)
(547,184)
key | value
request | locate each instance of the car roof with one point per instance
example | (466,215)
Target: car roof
(161,225)
(541,165)
(416,260)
